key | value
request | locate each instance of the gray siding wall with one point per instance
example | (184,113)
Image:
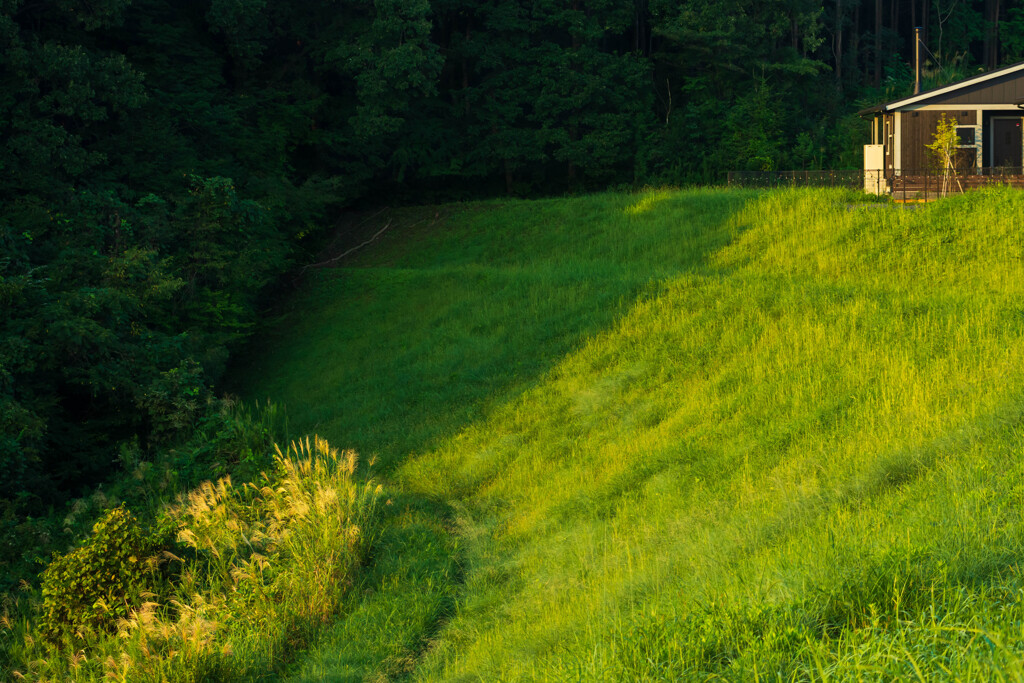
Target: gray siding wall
(1003,90)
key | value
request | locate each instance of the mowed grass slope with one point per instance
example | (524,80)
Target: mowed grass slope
(679,434)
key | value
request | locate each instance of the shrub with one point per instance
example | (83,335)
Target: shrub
(258,569)
(175,401)
(98,583)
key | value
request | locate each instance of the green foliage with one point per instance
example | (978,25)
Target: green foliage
(119,319)
(230,251)
(944,142)
(175,400)
(755,139)
(1012,35)
(100,582)
(226,437)
(943,149)
(732,80)
(256,571)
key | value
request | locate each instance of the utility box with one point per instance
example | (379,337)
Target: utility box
(874,173)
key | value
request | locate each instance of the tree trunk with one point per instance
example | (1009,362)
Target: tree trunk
(508,177)
(839,43)
(995,35)
(855,42)
(878,42)
(894,16)
(924,22)
(576,42)
(465,74)
(637,23)
(989,26)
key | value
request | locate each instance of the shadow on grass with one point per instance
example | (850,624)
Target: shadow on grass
(406,346)
(399,603)
(423,333)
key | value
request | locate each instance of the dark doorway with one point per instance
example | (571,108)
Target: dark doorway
(1006,142)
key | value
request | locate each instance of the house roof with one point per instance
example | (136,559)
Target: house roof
(935,92)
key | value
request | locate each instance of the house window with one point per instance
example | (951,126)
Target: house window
(966,135)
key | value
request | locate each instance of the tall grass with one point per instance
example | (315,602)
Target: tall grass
(260,568)
(690,435)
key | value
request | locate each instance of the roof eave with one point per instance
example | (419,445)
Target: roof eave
(935,92)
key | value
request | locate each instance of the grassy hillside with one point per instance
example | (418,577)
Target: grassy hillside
(759,435)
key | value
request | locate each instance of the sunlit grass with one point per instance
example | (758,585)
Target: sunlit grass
(688,433)
(262,568)
(647,201)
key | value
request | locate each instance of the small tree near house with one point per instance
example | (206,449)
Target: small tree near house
(943,152)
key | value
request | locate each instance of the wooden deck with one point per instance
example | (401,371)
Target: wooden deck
(908,186)
(924,187)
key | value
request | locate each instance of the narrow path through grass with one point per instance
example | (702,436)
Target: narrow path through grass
(415,339)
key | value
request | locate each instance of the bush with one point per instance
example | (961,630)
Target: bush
(258,569)
(92,587)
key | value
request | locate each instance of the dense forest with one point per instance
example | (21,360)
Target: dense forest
(164,163)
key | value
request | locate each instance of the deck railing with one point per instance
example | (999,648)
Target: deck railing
(929,184)
(905,185)
(840,178)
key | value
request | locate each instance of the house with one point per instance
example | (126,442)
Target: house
(988,109)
